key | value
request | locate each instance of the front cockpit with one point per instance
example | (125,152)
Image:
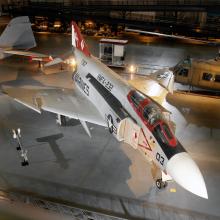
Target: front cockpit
(152,117)
(145,108)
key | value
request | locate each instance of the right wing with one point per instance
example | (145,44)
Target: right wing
(156,86)
(67,102)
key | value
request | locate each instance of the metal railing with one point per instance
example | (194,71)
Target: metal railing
(45,209)
(133,2)
(125,5)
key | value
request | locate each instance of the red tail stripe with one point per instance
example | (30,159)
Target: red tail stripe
(79,40)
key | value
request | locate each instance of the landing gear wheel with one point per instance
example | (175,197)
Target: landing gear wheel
(24,163)
(63,120)
(160,184)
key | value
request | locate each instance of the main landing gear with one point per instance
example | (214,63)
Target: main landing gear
(161,184)
(61,120)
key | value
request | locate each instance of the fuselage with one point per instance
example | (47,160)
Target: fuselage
(116,100)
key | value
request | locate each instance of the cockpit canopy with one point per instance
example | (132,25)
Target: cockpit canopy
(150,112)
(152,117)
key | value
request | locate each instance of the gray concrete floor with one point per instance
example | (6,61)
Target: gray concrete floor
(65,162)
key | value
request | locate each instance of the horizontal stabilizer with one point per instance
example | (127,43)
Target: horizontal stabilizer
(54,62)
(165,78)
(63,58)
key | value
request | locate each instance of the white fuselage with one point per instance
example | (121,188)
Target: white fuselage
(108,92)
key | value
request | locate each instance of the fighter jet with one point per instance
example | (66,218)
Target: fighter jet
(133,112)
(17,38)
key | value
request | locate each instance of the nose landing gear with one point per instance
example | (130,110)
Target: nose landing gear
(161,184)
(160,177)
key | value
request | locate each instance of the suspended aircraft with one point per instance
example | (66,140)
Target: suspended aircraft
(133,112)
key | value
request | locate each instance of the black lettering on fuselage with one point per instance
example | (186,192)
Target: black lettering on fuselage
(81,84)
(108,85)
(112,101)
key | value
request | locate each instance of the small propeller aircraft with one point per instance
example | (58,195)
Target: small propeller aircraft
(133,112)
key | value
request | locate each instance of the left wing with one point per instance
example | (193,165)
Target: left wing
(67,102)
(156,86)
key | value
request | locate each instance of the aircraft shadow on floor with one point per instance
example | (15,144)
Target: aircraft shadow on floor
(52,141)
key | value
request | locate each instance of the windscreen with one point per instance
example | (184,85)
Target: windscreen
(136,98)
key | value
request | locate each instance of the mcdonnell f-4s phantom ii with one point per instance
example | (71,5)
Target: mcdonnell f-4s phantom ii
(102,97)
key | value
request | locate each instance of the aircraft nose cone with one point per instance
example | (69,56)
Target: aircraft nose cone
(186,173)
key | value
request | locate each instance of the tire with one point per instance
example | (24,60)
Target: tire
(110,122)
(24,163)
(63,120)
(159,183)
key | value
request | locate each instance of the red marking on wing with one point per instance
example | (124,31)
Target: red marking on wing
(135,135)
(146,143)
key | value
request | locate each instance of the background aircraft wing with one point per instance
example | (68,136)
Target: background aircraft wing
(32,55)
(156,86)
(25,53)
(67,102)
(214,43)
(50,61)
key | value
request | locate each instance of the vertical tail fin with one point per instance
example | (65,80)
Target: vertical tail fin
(18,34)
(78,40)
